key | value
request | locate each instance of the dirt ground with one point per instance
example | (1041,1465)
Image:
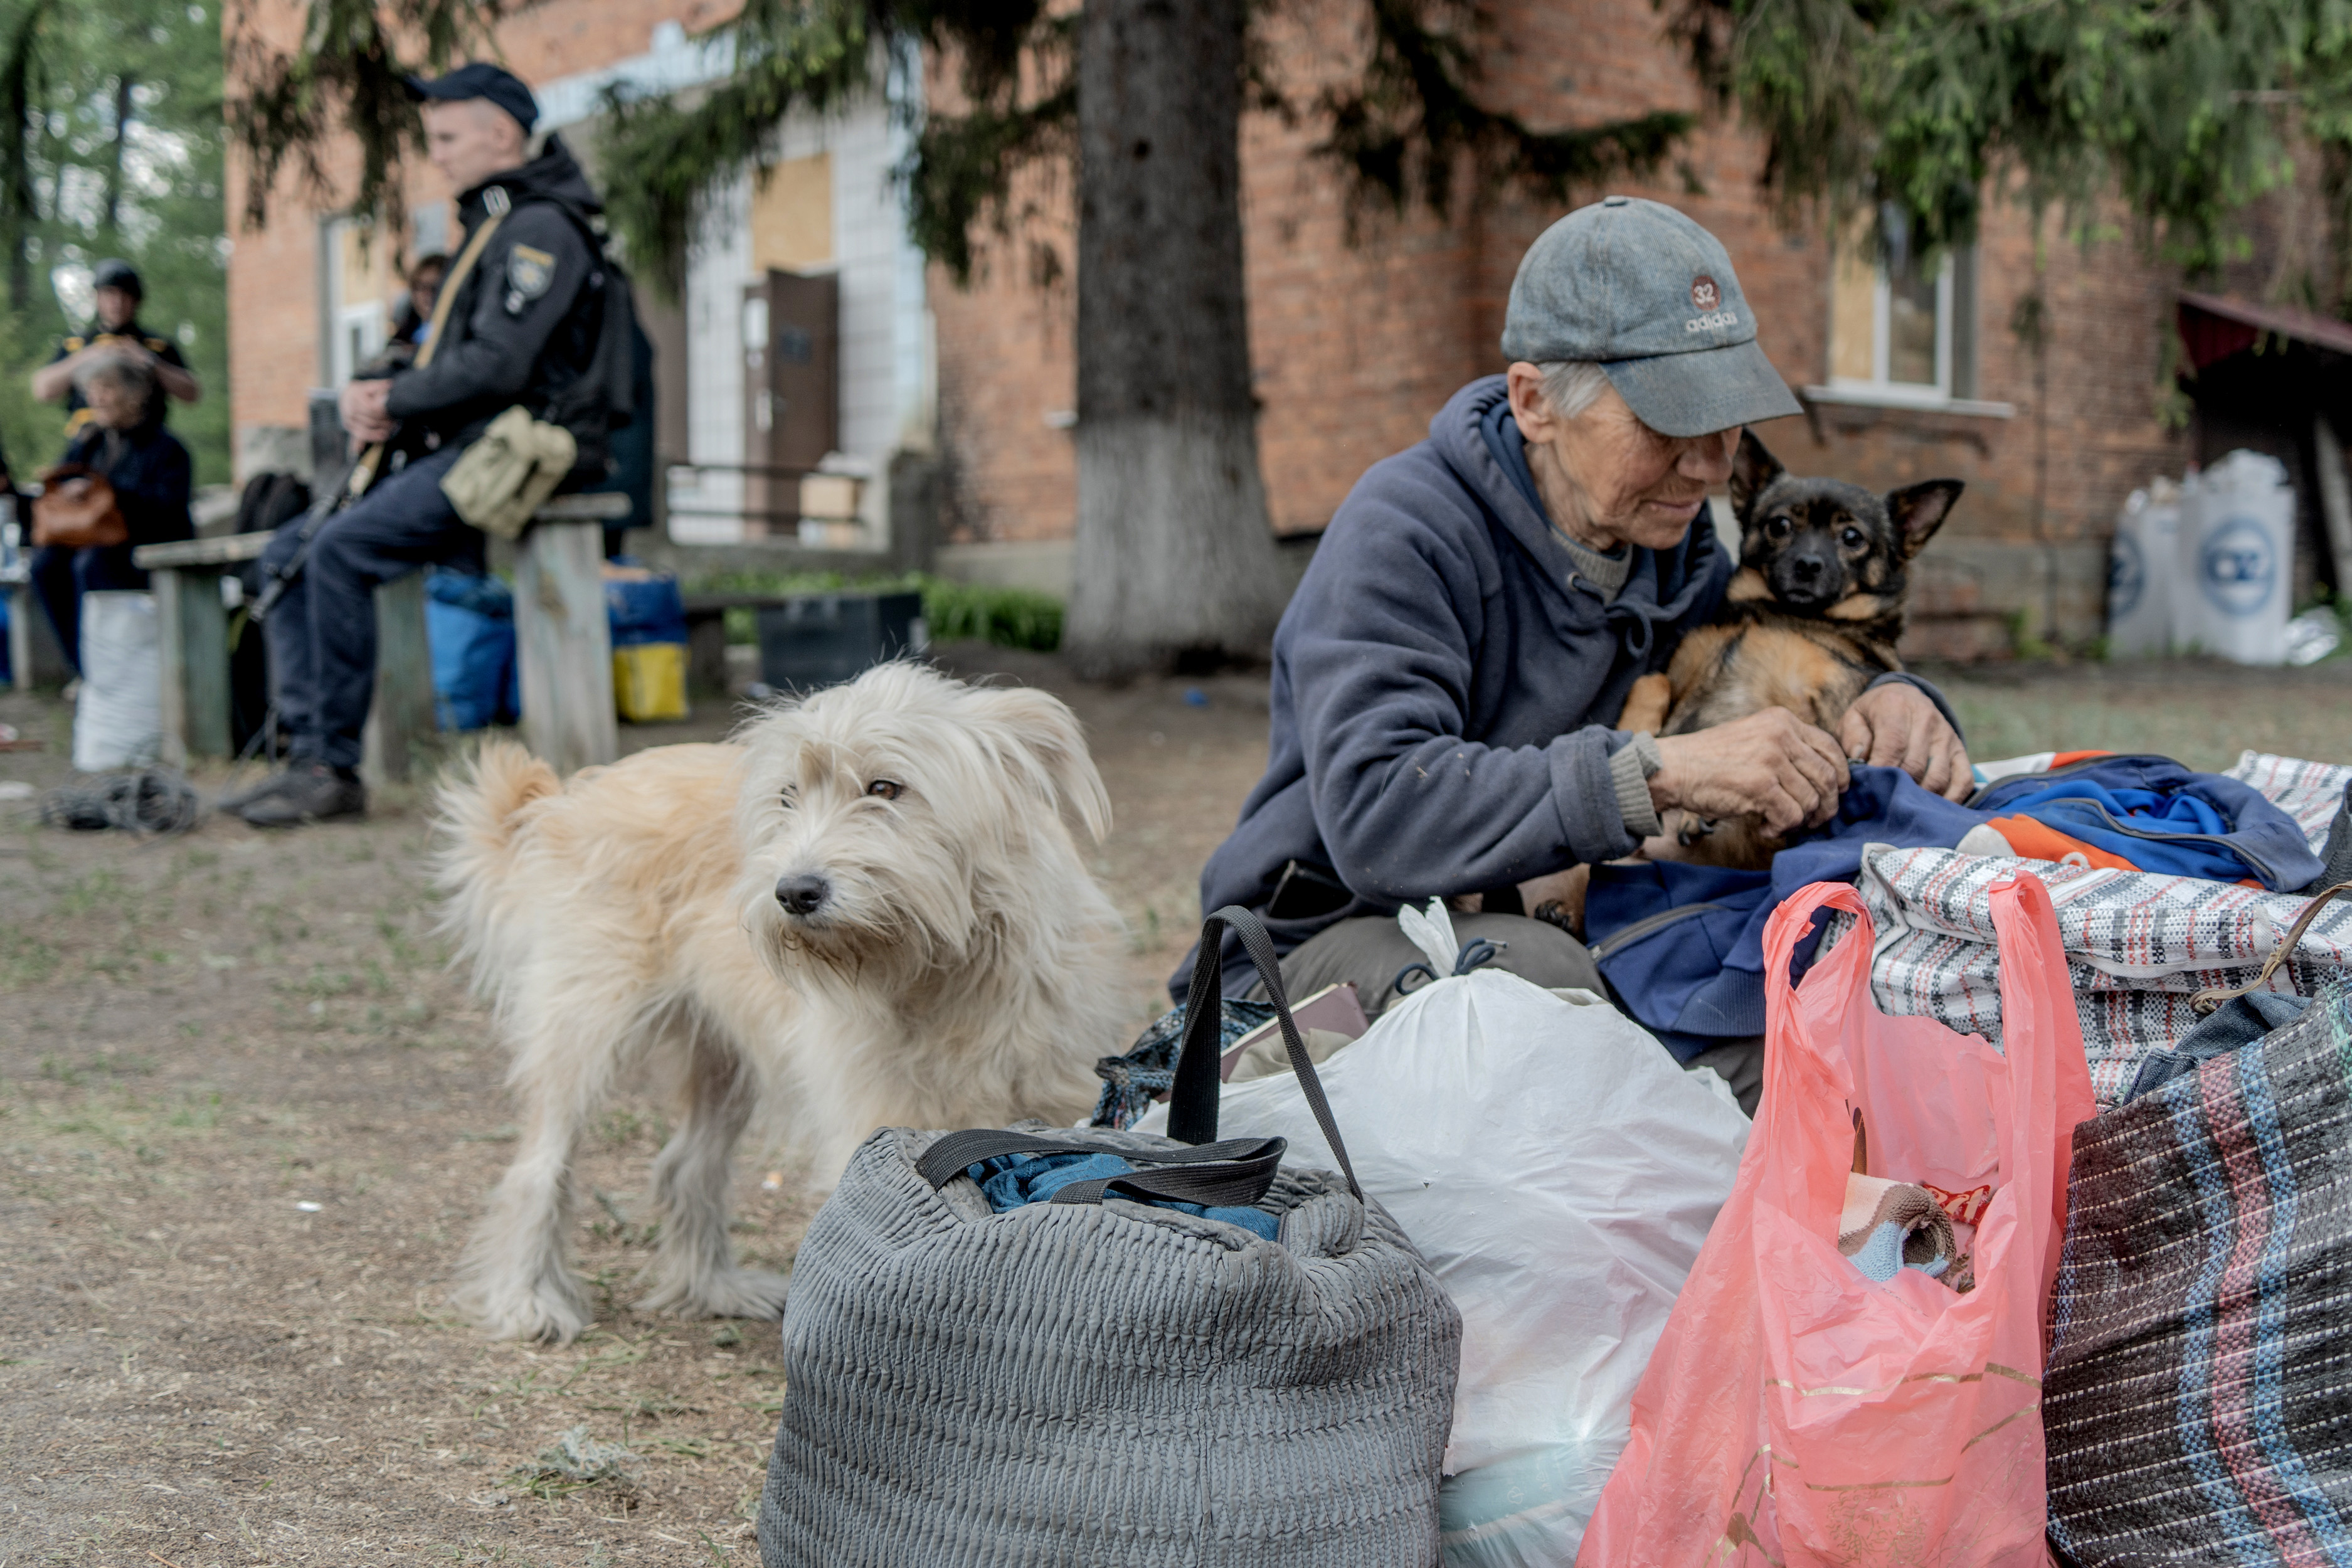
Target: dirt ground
(246,1117)
(247,1114)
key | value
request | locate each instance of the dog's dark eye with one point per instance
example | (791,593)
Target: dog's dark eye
(791,797)
(887,789)
(1776,528)
(1851,538)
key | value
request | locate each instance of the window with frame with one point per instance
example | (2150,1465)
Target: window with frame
(357,277)
(1900,331)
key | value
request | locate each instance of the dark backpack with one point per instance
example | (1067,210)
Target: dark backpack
(602,397)
(271,499)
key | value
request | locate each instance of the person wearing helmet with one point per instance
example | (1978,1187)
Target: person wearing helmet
(115,330)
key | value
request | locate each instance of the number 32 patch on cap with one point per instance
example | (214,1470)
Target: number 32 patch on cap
(531,272)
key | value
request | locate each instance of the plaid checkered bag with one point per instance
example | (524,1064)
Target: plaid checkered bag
(2138,944)
(2195,1402)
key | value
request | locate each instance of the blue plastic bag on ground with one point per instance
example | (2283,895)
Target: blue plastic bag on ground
(469,628)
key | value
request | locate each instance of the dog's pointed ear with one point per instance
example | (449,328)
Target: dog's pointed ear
(1046,728)
(1753,466)
(1918,511)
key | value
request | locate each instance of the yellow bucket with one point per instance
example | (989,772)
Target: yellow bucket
(649,681)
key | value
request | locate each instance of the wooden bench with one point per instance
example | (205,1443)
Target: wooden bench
(563,634)
(17,594)
(192,624)
(563,638)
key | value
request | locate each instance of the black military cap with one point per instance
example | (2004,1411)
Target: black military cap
(116,273)
(481,79)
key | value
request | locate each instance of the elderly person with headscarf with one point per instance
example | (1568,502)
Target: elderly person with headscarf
(125,443)
(1447,679)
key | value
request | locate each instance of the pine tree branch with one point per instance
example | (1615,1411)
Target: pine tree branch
(961,169)
(348,77)
(1408,124)
(1915,110)
(665,158)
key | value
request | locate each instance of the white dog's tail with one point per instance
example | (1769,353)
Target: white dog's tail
(478,819)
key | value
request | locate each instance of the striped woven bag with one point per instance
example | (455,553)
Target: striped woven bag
(2198,1403)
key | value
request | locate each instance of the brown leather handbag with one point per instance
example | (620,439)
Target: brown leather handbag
(77,510)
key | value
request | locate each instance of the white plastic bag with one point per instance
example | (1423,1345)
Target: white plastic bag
(1558,1171)
(2140,573)
(119,720)
(2237,557)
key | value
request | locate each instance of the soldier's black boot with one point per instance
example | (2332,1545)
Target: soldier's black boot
(308,791)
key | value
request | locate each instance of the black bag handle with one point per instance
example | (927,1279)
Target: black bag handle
(1193,1098)
(1235,1173)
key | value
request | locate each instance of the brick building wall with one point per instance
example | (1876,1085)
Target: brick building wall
(1359,338)
(1363,320)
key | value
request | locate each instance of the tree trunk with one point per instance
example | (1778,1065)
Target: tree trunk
(122,105)
(16,203)
(1176,560)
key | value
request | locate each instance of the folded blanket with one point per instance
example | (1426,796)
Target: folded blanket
(1887,1226)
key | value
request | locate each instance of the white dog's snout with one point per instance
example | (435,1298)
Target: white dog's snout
(804,893)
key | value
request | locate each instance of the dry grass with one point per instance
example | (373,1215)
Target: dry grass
(246,1117)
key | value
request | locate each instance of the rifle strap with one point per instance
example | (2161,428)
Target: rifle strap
(447,298)
(363,472)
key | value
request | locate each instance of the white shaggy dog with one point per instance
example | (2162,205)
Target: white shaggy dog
(866,911)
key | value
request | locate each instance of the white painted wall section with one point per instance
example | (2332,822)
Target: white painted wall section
(886,396)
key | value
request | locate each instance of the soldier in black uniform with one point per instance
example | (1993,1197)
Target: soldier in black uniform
(115,332)
(520,328)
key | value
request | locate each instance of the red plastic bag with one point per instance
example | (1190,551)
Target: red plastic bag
(1798,1413)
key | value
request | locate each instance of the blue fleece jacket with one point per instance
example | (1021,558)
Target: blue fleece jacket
(1439,684)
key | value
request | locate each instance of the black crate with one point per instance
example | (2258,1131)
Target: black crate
(823,639)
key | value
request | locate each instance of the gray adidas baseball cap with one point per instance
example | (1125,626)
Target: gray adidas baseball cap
(1650,296)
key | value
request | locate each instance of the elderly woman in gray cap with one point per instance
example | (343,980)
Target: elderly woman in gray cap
(1446,679)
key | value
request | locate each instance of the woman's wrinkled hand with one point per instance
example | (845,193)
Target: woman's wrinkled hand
(1895,726)
(1771,765)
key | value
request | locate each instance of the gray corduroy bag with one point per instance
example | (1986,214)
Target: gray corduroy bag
(1097,1383)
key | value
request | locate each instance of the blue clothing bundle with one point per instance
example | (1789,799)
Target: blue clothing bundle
(2160,817)
(1683,946)
(1012,1181)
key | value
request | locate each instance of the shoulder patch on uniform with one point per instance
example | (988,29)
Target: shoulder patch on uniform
(73,345)
(530,271)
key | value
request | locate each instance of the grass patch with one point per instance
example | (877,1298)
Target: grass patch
(574,1462)
(25,962)
(954,612)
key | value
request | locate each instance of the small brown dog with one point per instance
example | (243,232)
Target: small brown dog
(1810,620)
(866,911)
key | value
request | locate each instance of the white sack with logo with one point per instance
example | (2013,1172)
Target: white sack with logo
(2237,555)
(1560,1171)
(118,718)
(2140,573)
